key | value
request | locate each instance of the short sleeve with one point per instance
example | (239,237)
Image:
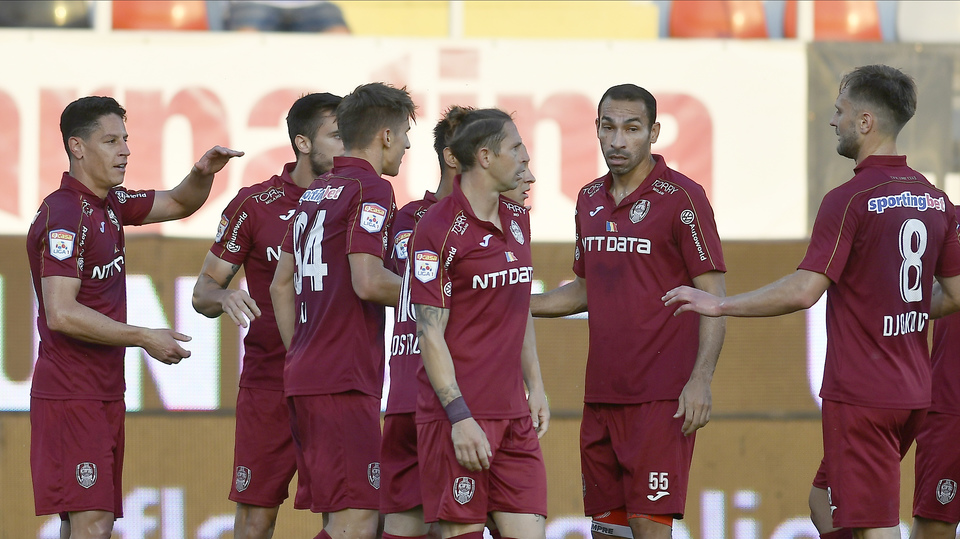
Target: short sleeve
(431,283)
(133,206)
(697,234)
(235,232)
(831,239)
(371,219)
(59,240)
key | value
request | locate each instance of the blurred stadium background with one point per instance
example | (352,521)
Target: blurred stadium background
(745,92)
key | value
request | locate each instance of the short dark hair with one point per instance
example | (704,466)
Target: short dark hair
(370,108)
(890,92)
(82,117)
(474,129)
(306,115)
(441,132)
(631,92)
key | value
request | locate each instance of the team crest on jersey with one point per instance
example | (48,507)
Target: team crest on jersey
(372,217)
(373,474)
(592,190)
(243,478)
(61,244)
(425,265)
(687,216)
(221,228)
(517,233)
(639,211)
(271,195)
(400,242)
(946,490)
(463,489)
(87,474)
(113,218)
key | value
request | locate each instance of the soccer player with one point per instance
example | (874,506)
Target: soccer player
(936,510)
(76,250)
(647,390)
(522,192)
(877,244)
(329,294)
(400,498)
(250,233)
(477,432)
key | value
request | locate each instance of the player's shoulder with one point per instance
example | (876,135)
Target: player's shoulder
(65,205)
(511,206)
(592,188)
(263,193)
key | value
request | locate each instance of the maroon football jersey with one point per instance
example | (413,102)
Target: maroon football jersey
(250,234)
(880,238)
(79,235)
(337,343)
(659,237)
(404,346)
(482,275)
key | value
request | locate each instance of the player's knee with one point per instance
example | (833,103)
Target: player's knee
(925,528)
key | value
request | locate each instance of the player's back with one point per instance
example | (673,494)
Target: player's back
(337,344)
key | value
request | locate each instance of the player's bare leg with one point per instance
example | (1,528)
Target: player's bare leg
(526,525)
(819,502)
(925,528)
(644,528)
(406,523)
(893,532)
(90,525)
(352,524)
(254,522)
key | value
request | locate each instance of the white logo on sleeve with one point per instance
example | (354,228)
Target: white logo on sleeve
(372,217)
(61,244)
(425,265)
(687,216)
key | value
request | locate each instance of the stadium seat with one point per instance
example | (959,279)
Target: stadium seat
(160,15)
(838,20)
(718,19)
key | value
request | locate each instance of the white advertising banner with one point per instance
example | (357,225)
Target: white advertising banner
(733,114)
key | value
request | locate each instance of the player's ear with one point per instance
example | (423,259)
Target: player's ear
(654,132)
(304,144)
(484,157)
(76,147)
(386,137)
(449,159)
(867,122)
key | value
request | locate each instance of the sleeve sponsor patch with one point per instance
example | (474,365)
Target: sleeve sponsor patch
(372,217)
(425,265)
(61,244)
(400,242)
(221,228)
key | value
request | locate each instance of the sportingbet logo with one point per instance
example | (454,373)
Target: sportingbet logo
(906,199)
(316,195)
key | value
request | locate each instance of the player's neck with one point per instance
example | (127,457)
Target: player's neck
(302,173)
(484,201)
(372,155)
(624,184)
(78,174)
(885,146)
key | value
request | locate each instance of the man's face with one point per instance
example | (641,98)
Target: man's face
(625,134)
(326,145)
(394,155)
(521,193)
(104,152)
(845,123)
(508,167)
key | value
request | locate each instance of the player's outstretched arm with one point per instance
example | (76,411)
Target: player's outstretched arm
(568,299)
(211,297)
(66,315)
(537,397)
(284,297)
(469,441)
(799,290)
(696,401)
(373,282)
(192,192)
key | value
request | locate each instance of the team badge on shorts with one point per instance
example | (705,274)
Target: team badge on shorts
(517,233)
(687,216)
(373,474)
(61,244)
(639,211)
(463,489)
(86,474)
(425,265)
(946,490)
(372,217)
(243,478)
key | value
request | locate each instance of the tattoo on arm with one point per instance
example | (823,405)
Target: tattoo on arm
(428,316)
(447,394)
(234,268)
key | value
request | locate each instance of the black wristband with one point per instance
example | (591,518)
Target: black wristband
(457,410)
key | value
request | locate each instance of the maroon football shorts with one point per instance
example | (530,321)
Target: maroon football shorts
(515,483)
(862,449)
(938,468)
(76,455)
(820,480)
(339,448)
(399,469)
(634,456)
(264,458)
